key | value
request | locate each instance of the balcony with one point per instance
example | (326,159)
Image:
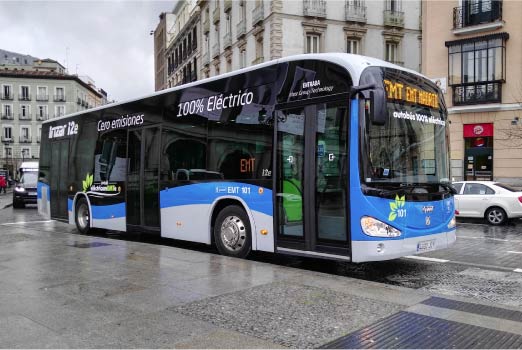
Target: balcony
(355,12)
(59,98)
(205,59)
(25,117)
(26,139)
(241,29)
(8,96)
(41,117)
(314,8)
(489,15)
(471,94)
(206,26)
(26,97)
(258,60)
(394,18)
(6,116)
(227,5)
(7,139)
(215,50)
(41,97)
(258,14)
(227,41)
(215,15)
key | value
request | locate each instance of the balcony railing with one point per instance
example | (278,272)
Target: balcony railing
(24,97)
(471,94)
(42,117)
(355,12)
(206,26)
(59,98)
(215,15)
(205,59)
(42,97)
(241,29)
(393,18)
(215,50)
(6,96)
(25,117)
(314,8)
(227,41)
(7,139)
(26,139)
(477,13)
(258,14)
(6,116)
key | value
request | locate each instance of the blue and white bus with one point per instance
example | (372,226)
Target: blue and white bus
(328,155)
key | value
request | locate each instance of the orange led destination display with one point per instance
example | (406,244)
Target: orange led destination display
(400,91)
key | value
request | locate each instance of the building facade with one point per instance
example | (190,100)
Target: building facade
(31,91)
(226,35)
(472,48)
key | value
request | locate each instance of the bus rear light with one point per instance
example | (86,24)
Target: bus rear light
(375,228)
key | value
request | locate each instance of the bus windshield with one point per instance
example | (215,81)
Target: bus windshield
(411,148)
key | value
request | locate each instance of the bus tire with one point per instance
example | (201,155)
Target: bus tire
(232,232)
(82,216)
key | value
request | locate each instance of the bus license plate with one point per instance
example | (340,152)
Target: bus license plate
(425,246)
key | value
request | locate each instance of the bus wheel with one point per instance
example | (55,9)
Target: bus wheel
(82,216)
(232,232)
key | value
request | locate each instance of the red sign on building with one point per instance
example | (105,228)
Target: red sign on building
(478,130)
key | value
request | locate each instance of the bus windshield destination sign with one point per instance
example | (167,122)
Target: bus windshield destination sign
(400,91)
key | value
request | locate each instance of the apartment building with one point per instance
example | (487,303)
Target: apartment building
(472,47)
(33,90)
(212,37)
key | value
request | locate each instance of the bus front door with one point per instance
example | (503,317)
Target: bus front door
(59,180)
(311,180)
(142,178)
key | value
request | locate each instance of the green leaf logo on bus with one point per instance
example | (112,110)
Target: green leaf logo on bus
(396,208)
(87,183)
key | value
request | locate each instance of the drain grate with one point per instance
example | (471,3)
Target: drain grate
(88,245)
(406,330)
(484,310)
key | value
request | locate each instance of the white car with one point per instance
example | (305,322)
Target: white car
(494,201)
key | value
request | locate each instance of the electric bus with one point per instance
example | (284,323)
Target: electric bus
(331,155)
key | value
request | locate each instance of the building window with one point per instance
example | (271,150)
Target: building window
(392,52)
(60,94)
(7,135)
(8,152)
(41,95)
(353,46)
(476,69)
(312,43)
(25,134)
(25,153)
(242,58)
(7,112)
(59,111)
(25,111)
(475,12)
(24,93)
(42,113)
(259,50)
(393,5)
(7,93)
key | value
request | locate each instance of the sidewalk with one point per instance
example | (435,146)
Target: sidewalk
(6,200)
(64,290)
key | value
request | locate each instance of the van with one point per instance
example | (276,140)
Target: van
(25,189)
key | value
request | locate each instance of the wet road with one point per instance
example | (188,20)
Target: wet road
(485,262)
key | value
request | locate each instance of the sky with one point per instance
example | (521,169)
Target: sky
(109,41)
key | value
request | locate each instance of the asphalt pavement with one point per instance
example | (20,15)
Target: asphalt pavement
(64,290)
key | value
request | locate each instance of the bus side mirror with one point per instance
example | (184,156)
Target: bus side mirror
(377,106)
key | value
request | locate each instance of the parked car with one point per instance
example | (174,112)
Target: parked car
(494,201)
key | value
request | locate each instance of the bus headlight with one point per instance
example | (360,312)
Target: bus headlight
(375,228)
(453,222)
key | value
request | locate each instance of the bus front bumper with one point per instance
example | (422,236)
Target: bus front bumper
(391,249)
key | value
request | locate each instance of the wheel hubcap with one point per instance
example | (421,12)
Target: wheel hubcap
(233,233)
(495,216)
(83,216)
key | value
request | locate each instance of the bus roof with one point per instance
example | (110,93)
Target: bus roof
(354,64)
